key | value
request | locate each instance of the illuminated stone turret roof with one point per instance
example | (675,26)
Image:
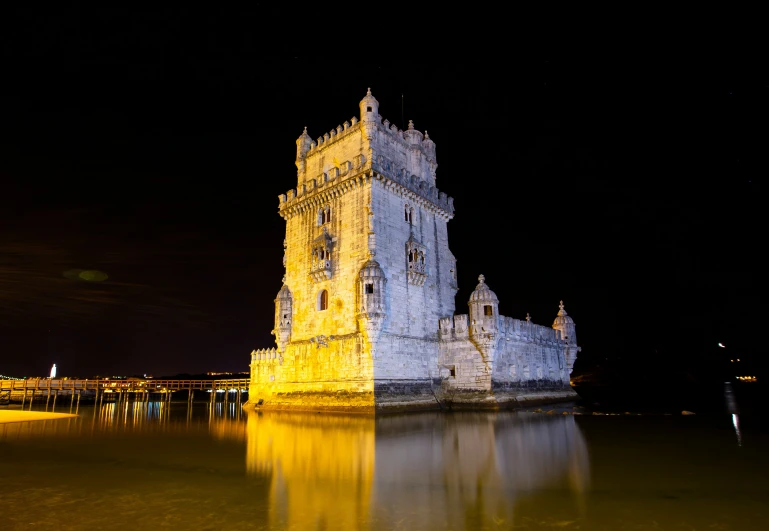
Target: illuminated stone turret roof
(371,269)
(563,318)
(284,292)
(482,293)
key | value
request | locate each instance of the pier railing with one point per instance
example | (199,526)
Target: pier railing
(136,385)
(117,390)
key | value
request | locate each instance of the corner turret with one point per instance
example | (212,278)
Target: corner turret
(484,316)
(369,108)
(371,301)
(566,326)
(303,144)
(283,316)
(429,147)
(413,136)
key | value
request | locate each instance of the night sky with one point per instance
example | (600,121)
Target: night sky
(151,146)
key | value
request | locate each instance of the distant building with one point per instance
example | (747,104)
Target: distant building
(365,317)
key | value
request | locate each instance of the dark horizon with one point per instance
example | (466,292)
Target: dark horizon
(630,189)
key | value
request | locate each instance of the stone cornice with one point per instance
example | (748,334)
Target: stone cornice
(428,197)
(419,192)
(291,205)
(328,140)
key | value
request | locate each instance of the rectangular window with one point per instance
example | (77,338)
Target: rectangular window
(487,310)
(453,372)
(369,288)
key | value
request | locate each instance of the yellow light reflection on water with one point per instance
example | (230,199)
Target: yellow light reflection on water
(407,471)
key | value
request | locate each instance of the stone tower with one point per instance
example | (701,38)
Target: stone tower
(484,313)
(568,329)
(368,268)
(364,319)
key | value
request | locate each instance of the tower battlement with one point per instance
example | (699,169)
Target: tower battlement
(265,355)
(459,326)
(359,146)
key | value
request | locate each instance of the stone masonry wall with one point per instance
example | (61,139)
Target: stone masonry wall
(309,375)
(347,231)
(527,362)
(413,310)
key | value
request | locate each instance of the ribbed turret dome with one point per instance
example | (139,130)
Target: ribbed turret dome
(369,100)
(429,145)
(371,269)
(482,292)
(412,135)
(284,293)
(563,318)
(304,137)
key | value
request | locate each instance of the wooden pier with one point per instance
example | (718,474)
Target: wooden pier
(133,389)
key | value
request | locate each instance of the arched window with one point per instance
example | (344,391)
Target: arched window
(323,300)
(324,215)
(408,213)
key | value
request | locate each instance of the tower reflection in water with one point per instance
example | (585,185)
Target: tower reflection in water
(414,471)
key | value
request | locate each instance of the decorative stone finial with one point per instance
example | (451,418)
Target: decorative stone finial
(368,91)
(561,312)
(305,129)
(427,137)
(411,125)
(481,279)
(528,317)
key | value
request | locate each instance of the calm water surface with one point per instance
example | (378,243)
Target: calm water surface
(150,466)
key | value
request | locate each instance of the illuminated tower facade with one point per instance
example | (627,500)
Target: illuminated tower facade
(368,270)
(365,319)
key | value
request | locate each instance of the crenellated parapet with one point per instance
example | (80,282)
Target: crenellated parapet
(328,139)
(328,186)
(419,192)
(522,330)
(269,356)
(455,328)
(322,191)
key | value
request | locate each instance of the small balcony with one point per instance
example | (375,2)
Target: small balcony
(320,270)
